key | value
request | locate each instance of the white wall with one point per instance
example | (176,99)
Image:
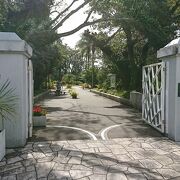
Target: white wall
(14,54)
(12,68)
(170,55)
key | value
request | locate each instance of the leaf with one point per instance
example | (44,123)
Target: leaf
(7,100)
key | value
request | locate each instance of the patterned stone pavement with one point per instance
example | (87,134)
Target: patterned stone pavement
(116,159)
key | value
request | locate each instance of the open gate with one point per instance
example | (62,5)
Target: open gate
(153,95)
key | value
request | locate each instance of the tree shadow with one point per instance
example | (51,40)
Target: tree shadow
(57,134)
(130,130)
(60,151)
(120,106)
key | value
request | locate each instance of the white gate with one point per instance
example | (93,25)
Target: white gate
(153,95)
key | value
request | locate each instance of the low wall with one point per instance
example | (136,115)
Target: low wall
(134,101)
(41,96)
(115,98)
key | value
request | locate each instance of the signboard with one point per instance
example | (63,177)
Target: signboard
(112,78)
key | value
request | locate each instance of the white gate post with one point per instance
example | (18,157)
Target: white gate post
(14,57)
(170,56)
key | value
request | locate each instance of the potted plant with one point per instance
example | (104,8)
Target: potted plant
(7,109)
(39,116)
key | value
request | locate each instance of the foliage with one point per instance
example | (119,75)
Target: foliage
(68,86)
(69,79)
(130,38)
(120,93)
(129,34)
(85,85)
(39,91)
(39,111)
(7,101)
(73,94)
(37,23)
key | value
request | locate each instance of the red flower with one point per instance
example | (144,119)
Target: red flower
(38,111)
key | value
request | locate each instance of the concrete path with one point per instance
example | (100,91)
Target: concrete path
(90,117)
(117,159)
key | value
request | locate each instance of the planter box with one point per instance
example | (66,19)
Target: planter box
(2,144)
(39,121)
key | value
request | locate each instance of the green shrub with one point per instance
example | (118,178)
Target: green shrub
(68,86)
(78,82)
(69,79)
(99,86)
(74,94)
(69,91)
(85,85)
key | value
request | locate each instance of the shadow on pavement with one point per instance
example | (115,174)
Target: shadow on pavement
(121,106)
(98,161)
(133,130)
(57,134)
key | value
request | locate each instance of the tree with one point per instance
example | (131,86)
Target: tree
(32,20)
(144,29)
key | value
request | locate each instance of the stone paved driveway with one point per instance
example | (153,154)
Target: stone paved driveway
(116,159)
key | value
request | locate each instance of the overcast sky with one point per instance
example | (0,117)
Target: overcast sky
(71,23)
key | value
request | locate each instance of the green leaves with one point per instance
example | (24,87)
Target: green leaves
(7,100)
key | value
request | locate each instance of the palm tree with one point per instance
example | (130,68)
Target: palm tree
(85,45)
(7,101)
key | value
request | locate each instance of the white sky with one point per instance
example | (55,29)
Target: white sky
(71,23)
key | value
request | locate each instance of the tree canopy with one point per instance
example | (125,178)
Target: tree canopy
(128,34)
(132,34)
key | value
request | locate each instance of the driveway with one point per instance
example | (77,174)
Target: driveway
(143,157)
(90,117)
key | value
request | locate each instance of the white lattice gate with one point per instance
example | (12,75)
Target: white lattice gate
(153,95)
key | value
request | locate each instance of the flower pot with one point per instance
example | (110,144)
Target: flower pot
(39,121)
(2,144)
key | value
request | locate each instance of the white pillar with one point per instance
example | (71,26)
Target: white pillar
(14,57)
(170,56)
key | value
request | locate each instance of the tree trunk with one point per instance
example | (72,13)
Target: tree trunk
(130,50)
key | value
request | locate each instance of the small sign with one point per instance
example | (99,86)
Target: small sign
(113,81)
(112,78)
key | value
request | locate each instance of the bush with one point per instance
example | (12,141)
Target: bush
(78,83)
(99,86)
(85,85)
(68,86)
(52,84)
(74,94)
(69,79)
(69,91)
